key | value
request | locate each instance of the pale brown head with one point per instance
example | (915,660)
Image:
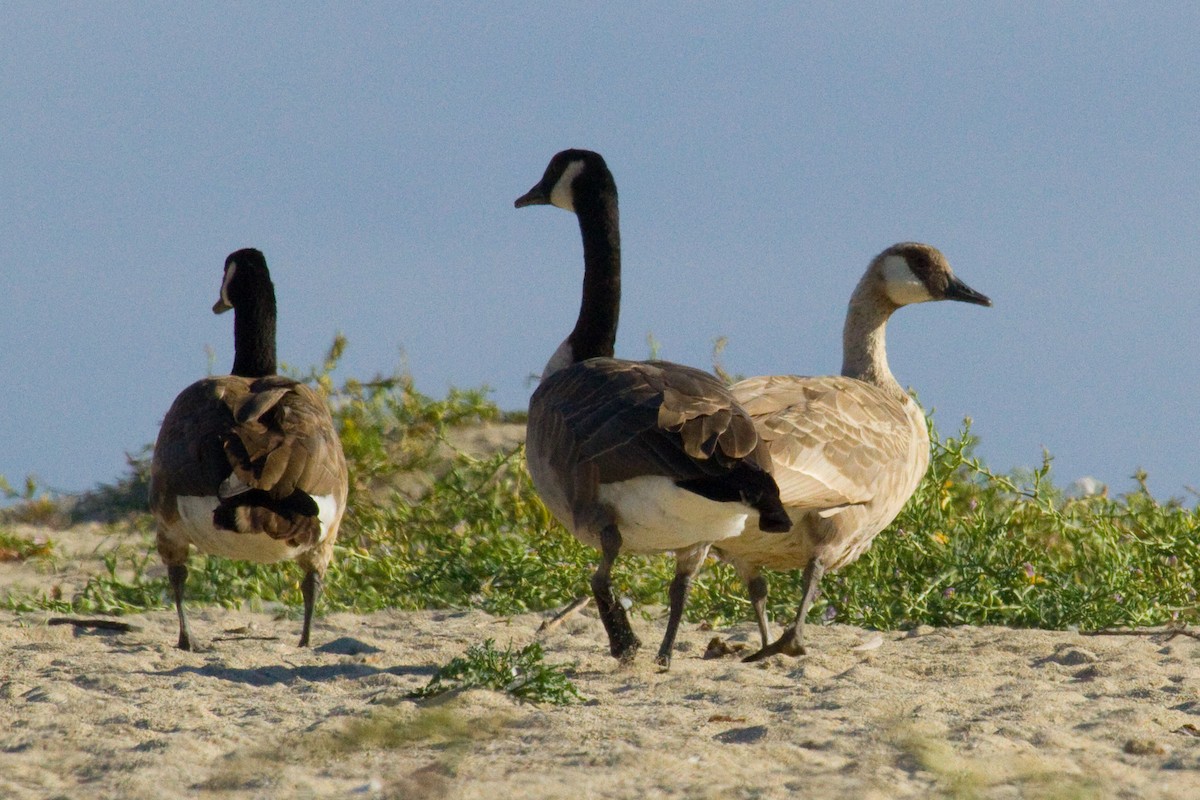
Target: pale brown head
(911,272)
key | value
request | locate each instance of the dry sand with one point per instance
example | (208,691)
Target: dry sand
(963,712)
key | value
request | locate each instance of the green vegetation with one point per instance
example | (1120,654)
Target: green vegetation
(14,547)
(431,526)
(521,673)
(972,547)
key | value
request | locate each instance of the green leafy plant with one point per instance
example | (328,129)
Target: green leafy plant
(521,673)
(35,505)
(14,547)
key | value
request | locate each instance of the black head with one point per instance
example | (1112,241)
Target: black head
(571,176)
(246,278)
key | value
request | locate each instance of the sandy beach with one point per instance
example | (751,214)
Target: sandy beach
(962,712)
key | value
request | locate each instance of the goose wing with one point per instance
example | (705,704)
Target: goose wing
(625,419)
(831,439)
(284,441)
(189,454)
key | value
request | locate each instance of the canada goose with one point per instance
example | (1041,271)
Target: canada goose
(846,451)
(646,456)
(248,465)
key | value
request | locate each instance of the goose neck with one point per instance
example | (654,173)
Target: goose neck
(254,338)
(595,331)
(864,339)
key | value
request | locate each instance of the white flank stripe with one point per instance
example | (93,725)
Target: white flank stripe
(327,511)
(655,515)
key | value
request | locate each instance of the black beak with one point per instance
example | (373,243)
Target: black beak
(534,197)
(957,290)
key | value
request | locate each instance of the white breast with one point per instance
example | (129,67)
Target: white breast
(654,515)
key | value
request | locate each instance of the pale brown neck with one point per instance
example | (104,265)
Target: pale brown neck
(864,338)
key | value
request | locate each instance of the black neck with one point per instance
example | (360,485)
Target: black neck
(595,332)
(254,337)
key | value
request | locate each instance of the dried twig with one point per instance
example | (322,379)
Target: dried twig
(576,605)
(104,624)
(1170,633)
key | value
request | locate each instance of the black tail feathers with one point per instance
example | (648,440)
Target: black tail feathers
(747,484)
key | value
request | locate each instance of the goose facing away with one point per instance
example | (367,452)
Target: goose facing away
(846,451)
(643,456)
(248,465)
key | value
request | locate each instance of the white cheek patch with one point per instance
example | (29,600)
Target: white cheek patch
(561,194)
(229,271)
(901,283)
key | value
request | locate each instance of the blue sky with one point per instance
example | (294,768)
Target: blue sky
(763,156)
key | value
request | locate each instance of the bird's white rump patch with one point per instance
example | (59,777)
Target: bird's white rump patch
(654,515)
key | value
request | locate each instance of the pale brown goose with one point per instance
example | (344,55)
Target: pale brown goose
(642,456)
(248,465)
(846,451)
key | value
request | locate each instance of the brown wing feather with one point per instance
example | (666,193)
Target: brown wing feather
(830,438)
(273,435)
(189,454)
(632,418)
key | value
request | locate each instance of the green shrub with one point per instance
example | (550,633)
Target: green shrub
(970,547)
(521,673)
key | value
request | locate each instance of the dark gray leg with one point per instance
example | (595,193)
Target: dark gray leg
(311,589)
(792,641)
(622,642)
(757,586)
(687,564)
(177,575)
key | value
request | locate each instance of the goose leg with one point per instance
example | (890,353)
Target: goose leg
(177,575)
(792,641)
(311,589)
(622,642)
(757,587)
(687,564)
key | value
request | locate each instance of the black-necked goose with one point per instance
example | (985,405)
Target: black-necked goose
(248,465)
(847,451)
(644,456)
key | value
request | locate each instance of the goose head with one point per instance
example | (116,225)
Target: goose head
(911,272)
(572,177)
(246,280)
(246,287)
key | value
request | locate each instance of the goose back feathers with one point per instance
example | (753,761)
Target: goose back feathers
(264,449)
